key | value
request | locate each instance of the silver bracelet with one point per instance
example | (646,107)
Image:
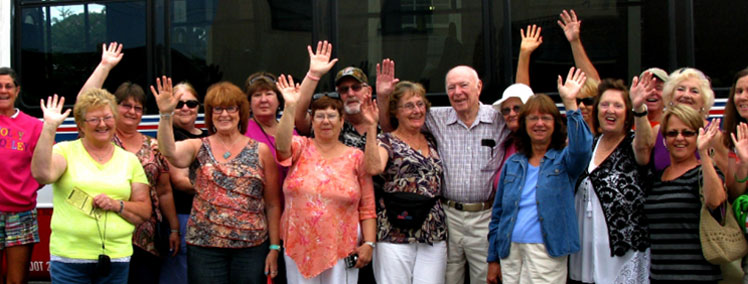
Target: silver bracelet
(166,115)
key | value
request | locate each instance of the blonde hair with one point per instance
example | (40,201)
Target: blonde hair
(91,99)
(687,114)
(682,74)
(589,89)
(187,87)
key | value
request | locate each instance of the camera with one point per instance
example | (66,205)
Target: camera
(350,261)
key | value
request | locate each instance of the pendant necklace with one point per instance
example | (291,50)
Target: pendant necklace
(227,154)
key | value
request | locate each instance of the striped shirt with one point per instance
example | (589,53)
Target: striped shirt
(673,208)
(471,154)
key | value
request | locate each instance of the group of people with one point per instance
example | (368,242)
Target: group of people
(516,192)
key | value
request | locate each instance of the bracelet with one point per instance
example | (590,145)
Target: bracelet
(166,115)
(175,231)
(371,244)
(740,180)
(121,207)
(640,114)
(275,247)
(312,77)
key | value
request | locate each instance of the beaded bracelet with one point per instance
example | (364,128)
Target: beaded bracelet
(275,247)
(739,180)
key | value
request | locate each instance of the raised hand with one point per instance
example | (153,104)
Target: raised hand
(386,77)
(640,89)
(319,61)
(52,109)
(111,56)
(165,98)
(574,82)
(741,142)
(570,24)
(707,135)
(370,112)
(289,90)
(530,40)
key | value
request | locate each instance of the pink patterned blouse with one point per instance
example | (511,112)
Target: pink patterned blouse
(325,201)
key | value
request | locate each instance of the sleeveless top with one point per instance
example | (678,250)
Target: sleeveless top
(228,210)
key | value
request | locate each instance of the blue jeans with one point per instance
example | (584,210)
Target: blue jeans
(84,273)
(174,269)
(227,265)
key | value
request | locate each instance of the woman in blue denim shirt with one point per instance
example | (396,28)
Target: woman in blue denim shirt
(533,225)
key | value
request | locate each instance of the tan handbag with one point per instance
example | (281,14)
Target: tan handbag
(720,243)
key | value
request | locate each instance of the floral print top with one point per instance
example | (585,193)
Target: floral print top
(408,170)
(325,199)
(228,210)
(154,165)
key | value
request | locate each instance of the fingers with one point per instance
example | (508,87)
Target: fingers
(560,82)
(574,16)
(522,32)
(570,76)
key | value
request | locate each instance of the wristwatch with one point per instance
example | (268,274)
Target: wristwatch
(640,114)
(371,244)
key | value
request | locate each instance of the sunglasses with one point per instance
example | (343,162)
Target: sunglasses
(332,95)
(266,78)
(685,133)
(508,110)
(190,104)
(354,87)
(587,101)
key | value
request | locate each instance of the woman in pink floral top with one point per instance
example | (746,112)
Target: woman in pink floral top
(328,196)
(232,233)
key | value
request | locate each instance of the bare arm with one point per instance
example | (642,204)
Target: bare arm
(110,57)
(272,198)
(166,204)
(385,86)
(375,157)
(284,134)
(180,179)
(644,139)
(571,26)
(182,153)
(136,210)
(529,43)
(319,65)
(738,169)
(714,193)
(47,167)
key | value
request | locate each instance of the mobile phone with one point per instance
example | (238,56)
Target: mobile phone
(350,261)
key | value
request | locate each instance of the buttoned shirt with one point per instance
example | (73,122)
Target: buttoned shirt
(471,154)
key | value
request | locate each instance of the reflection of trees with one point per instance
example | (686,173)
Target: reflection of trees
(71,31)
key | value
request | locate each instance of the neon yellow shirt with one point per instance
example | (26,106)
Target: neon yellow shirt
(75,233)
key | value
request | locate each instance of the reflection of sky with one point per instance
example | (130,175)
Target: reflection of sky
(56,12)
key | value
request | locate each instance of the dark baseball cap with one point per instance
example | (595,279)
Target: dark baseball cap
(353,72)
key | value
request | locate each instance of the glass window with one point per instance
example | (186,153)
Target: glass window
(61,46)
(215,40)
(426,38)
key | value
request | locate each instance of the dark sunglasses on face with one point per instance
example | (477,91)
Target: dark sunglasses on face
(685,133)
(587,101)
(332,95)
(354,87)
(508,110)
(190,104)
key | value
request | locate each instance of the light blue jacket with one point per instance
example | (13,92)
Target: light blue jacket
(558,174)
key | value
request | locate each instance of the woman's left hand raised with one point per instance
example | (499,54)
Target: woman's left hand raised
(707,136)
(570,89)
(288,89)
(164,95)
(52,109)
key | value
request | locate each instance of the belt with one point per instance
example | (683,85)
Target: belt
(469,207)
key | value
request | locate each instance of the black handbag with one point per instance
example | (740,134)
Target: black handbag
(407,210)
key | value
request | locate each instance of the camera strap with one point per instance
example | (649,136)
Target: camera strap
(102,235)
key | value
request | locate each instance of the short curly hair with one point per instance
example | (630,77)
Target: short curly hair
(682,74)
(91,99)
(403,89)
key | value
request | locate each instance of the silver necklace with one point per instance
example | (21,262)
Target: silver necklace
(227,154)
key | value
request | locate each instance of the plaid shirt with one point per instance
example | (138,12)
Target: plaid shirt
(471,155)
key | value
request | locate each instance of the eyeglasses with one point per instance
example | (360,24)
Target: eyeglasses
(544,118)
(126,106)
(320,116)
(190,104)
(332,95)
(685,133)
(229,109)
(262,77)
(354,87)
(96,120)
(587,101)
(412,106)
(508,110)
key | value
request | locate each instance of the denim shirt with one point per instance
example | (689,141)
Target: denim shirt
(559,171)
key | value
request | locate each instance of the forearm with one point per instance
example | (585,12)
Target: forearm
(97,78)
(284,134)
(737,171)
(369,229)
(306,91)
(273,212)
(582,61)
(42,168)
(714,193)
(180,179)
(166,204)
(643,140)
(165,134)
(372,160)
(523,68)
(136,212)
(383,103)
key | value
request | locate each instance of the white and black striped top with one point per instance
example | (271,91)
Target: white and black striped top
(672,209)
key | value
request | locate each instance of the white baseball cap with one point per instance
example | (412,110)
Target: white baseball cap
(516,90)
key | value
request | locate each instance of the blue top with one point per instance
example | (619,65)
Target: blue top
(527,228)
(559,170)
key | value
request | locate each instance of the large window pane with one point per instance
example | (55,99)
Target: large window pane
(425,37)
(61,45)
(215,40)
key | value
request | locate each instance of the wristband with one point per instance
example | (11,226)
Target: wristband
(371,244)
(275,247)
(121,207)
(739,180)
(312,77)
(165,115)
(640,114)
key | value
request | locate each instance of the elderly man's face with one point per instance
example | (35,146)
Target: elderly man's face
(353,93)
(463,89)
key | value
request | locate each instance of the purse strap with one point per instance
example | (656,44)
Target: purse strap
(722,208)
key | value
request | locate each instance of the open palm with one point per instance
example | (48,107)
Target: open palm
(52,110)
(164,95)
(288,89)
(319,61)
